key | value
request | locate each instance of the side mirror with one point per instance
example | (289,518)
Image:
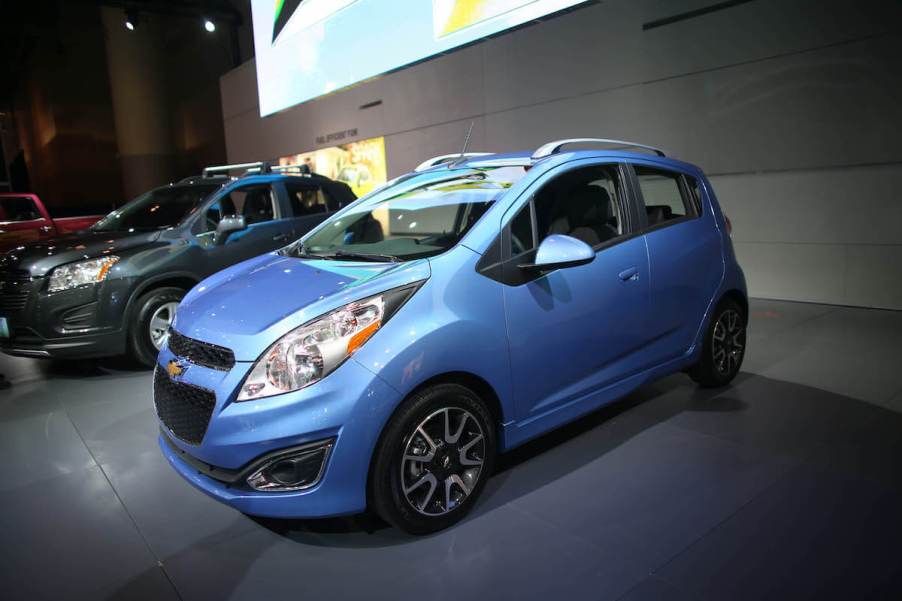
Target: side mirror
(229,225)
(559,251)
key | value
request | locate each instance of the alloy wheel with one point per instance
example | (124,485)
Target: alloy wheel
(160,322)
(442,461)
(728,342)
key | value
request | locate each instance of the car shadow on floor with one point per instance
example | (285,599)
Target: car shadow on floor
(90,368)
(496,493)
(848,445)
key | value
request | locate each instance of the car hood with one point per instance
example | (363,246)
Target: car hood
(39,258)
(248,306)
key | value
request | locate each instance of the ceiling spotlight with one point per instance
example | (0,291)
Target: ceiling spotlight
(209,25)
(131,20)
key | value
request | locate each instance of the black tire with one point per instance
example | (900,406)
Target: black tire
(140,345)
(713,368)
(390,469)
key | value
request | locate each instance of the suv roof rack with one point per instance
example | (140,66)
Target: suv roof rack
(258,167)
(553,147)
(447,158)
(302,168)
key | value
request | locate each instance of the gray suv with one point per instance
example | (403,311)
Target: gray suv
(113,289)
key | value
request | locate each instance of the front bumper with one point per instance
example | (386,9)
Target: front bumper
(26,343)
(80,323)
(348,408)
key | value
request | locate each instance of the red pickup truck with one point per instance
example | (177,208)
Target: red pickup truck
(24,219)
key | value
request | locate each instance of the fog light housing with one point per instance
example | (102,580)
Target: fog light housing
(293,470)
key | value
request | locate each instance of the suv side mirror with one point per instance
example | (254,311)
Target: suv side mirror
(229,225)
(560,251)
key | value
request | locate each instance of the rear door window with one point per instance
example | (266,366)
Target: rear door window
(664,194)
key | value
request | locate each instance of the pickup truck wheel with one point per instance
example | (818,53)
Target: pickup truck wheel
(154,313)
(433,459)
(723,348)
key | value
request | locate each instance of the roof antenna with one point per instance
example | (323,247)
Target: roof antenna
(463,150)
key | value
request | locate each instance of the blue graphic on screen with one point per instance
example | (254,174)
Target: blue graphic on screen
(307,48)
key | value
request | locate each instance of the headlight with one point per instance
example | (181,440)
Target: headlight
(309,353)
(80,273)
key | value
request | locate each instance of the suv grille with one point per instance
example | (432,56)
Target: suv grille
(201,353)
(184,409)
(14,289)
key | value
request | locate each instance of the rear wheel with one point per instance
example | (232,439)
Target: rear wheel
(724,346)
(433,459)
(154,314)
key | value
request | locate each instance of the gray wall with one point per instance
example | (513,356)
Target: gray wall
(794,108)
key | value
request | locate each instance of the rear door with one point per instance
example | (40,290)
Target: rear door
(685,256)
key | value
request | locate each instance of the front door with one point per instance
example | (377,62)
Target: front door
(266,229)
(575,330)
(21,222)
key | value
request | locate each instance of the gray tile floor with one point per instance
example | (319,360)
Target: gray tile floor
(787,485)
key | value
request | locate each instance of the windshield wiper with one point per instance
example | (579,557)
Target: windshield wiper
(344,254)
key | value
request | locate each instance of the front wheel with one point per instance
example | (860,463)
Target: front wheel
(723,348)
(154,313)
(433,459)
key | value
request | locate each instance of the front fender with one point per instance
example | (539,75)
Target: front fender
(454,323)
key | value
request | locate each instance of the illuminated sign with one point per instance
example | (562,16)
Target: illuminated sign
(307,48)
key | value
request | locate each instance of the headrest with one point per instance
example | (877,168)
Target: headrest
(589,202)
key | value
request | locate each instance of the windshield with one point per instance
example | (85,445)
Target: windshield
(158,209)
(417,217)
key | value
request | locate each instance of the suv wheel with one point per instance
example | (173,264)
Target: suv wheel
(154,314)
(723,348)
(433,459)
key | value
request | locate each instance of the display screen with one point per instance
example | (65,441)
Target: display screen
(307,48)
(361,164)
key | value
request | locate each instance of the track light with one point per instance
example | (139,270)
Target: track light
(131,20)
(209,25)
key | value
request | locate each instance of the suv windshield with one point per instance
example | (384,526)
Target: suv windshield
(417,217)
(156,210)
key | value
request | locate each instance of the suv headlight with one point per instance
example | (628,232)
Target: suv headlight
(312,351)
(80,273)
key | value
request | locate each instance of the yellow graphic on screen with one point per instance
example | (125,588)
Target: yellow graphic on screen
(453,15)
(361,164)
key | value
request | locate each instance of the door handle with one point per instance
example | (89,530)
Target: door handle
(629,275)
(280,238)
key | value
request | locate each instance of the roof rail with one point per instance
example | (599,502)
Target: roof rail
(554,147)
(258,167)
(447,158)
(302,168)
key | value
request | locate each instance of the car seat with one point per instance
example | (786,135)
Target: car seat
(585,213)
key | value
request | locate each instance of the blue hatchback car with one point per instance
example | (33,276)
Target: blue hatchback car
(385,359)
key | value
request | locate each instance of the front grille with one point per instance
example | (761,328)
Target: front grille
(201,353)
(15,286)
(183,408)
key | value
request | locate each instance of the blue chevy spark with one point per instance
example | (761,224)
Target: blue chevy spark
(385,359)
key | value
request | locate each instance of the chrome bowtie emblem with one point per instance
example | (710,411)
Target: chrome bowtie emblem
(175,369)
